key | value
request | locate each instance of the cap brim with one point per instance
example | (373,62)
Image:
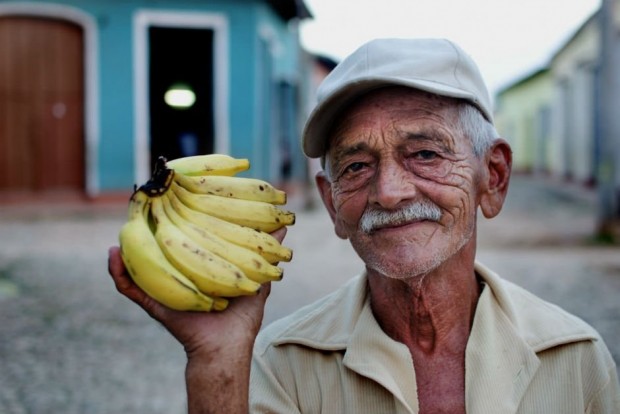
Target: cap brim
(321,120)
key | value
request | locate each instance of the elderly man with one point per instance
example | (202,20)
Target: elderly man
(404,131)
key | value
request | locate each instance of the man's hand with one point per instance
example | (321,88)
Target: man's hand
(194,330)
(218,344)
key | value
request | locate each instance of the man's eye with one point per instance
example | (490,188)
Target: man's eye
(354,167)
(425,155)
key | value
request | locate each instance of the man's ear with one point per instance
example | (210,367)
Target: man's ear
(498,165)
(325,190)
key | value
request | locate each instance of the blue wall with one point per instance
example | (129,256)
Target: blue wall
(114,22)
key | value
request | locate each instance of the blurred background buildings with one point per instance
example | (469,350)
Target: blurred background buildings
(92,91)
(562,119)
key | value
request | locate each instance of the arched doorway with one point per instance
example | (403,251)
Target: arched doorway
(42,148)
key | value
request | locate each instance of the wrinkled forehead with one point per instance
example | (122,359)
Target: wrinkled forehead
(401,100)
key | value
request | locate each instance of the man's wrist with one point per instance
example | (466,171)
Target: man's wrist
(231,350)
(218,380)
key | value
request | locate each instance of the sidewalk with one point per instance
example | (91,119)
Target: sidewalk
(71,344)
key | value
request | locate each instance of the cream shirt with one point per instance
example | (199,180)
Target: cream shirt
(524,355)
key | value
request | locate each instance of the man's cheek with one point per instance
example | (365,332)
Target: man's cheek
(349,210)
(345,199)
(341,229)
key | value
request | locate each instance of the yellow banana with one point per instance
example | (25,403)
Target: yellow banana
(150,269)
(258,241)
(209,164)
(235,187)
(255,214)
(210,273)
(253,265)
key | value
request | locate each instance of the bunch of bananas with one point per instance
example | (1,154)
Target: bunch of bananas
(198,235)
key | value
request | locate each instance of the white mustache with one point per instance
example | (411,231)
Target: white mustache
(374,218)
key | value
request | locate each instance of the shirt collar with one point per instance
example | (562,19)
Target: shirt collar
(331,323)
(501,352)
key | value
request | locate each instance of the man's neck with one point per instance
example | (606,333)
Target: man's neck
(429,313)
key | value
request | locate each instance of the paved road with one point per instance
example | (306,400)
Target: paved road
(70,344)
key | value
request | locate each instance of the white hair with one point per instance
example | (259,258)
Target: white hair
(473,125)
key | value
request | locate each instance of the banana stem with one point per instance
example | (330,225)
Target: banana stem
(160,180)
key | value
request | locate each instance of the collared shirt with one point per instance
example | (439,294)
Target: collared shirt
(524,355)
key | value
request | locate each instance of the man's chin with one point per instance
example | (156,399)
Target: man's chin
(404,271)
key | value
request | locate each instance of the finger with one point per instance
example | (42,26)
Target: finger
(263,293)
(280,233)
(123,282)
(250,309)
(115,261)
(118,271)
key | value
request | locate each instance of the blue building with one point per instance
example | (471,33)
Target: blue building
(92,91)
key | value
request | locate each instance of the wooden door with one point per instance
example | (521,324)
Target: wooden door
(41,106)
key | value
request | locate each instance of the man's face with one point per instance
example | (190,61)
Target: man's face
(398,149)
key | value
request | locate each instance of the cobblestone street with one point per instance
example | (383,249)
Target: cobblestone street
(70,344)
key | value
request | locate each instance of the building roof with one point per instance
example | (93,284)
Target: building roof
(325,61)
(523,80)
(576,33)
(559,51)
(290,9)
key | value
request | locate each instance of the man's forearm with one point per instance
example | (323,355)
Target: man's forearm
(219,382)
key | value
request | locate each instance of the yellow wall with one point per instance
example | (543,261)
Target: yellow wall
(523,117)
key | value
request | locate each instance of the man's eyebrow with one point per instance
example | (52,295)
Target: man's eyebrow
(431,136)
(341,152)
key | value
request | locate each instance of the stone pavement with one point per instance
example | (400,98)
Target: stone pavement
(70,344)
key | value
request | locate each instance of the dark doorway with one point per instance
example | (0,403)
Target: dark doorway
(180,56)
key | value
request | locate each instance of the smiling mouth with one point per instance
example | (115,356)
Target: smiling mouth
(397,224)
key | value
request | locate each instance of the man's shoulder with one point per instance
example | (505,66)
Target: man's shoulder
(542,323)
(323,324)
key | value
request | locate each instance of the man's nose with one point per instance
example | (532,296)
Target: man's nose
(392,185)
